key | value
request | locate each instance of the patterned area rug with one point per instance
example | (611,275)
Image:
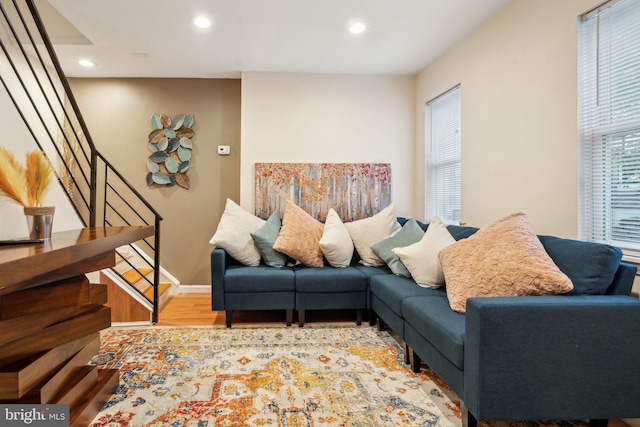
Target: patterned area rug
(312,376)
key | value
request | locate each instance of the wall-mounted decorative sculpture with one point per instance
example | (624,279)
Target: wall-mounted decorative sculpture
(170,145)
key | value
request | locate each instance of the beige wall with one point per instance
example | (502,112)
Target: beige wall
(289,117)
(17,138)
(519,125)
(118,112)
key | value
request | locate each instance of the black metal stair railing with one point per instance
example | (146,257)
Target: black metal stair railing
(36,85)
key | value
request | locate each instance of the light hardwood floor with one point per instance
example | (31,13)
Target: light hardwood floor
(195,310)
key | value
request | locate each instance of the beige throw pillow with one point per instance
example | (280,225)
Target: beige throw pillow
(369,231)
(505,258)
(421,258)
(300,236)
(336,243)
(234,234)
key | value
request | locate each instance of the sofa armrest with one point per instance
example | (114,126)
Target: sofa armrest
(218,267)
(556,357)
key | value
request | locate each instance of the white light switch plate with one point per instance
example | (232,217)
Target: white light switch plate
(224,150)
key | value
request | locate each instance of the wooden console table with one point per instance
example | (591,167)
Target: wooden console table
(51,316)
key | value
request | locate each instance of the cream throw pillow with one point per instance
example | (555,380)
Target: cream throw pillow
(300,236)
(234,234)
(421,258)
(336,243)
(369,231)
(505,258)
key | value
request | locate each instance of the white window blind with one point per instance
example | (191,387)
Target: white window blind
(609,124)
(442,158)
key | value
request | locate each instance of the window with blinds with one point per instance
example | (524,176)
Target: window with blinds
(609,124)
(442,158)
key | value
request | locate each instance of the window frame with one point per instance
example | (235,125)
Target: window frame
(447,205)
(601,133)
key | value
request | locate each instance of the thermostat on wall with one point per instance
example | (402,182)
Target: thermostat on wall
(224,150)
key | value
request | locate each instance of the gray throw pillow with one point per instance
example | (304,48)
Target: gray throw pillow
(264,238)
(408,235)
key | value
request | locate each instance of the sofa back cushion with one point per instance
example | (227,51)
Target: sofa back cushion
(590,266)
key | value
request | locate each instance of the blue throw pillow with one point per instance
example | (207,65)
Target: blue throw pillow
(410,233)
(590,266)
(265,237)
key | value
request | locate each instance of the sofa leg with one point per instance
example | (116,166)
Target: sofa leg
(599,422)
(359,317)
(414,360)
(380,324)
(372,318)
(228,314)
(301,318)
(406,354)
(468,420)
(289,316)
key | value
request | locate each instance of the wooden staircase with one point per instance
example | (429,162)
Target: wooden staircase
(126,307)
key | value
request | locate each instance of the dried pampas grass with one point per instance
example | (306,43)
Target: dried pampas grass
(38,173)
(27,186)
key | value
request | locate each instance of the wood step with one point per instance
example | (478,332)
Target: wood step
(86,410)
(125,308)
(163,287)
(21,377)
(135,275)
(91,321)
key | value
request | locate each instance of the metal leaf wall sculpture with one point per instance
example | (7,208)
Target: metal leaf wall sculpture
(170,145)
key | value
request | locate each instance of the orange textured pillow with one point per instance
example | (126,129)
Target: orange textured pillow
(300,236)
(505,258)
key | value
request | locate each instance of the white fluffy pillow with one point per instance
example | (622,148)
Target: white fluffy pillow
(336,243)
(421,258)
(234,234)
(369,231)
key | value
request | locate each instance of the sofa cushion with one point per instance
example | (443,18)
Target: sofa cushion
(392,290)
(336,243)
(460,232)
(369,231)
(402,221)
(590,266)
(300,236)
(233,234)
(372,271)
(437,323)
(421,258)
(260,278)
(505,258)
(408,235)
(329,279)
(265,237)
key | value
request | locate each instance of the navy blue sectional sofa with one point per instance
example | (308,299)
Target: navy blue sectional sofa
(572,356)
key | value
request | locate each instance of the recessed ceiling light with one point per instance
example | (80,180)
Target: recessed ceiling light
(86,63)
(202,22)
(357,28)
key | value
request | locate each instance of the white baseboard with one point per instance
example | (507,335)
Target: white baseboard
(194,289)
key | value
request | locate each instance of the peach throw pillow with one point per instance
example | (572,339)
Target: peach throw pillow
(505,258)
(300,236)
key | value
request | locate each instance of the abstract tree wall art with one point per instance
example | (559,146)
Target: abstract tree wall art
(353,190)
(170,145)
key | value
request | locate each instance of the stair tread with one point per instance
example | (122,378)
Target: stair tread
(134,276)
(148,292)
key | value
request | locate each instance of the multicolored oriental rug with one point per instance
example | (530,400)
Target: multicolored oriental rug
(344,376)
(275,376)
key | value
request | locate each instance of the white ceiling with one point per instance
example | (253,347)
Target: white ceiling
(156,38)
